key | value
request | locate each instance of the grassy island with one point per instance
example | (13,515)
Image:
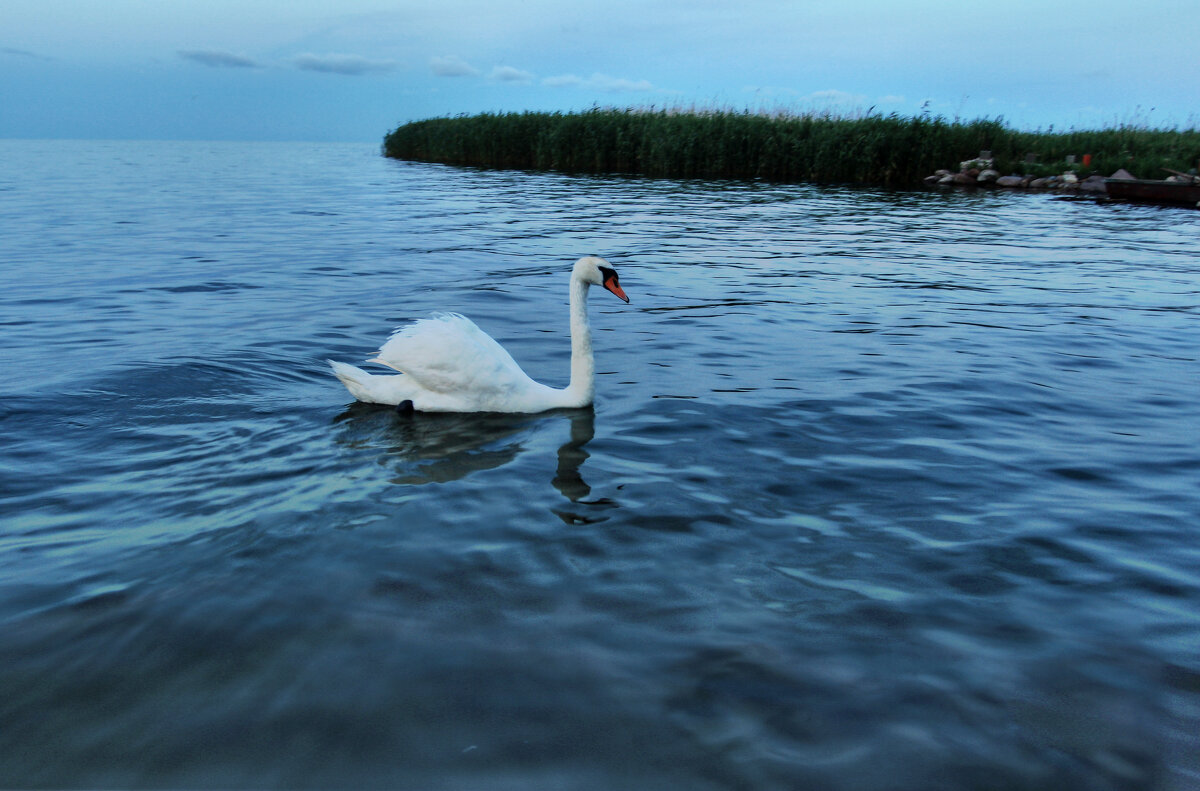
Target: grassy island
(888,150)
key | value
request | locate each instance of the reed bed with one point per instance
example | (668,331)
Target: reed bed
(888,150)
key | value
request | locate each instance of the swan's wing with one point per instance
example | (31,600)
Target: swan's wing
(449,354)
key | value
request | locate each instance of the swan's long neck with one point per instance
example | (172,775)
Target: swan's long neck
(583,365)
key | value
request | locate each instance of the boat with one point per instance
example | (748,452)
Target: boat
(1155,191)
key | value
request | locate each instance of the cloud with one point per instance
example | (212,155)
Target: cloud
(834,96)
(342,64)
(24,53)
(563,81)
(599,82)
(219,59)
(510,74)
(452,66)
(617,85)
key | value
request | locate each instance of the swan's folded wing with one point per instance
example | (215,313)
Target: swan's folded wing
(449,354)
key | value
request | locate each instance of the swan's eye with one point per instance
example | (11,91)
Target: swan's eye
(608,279)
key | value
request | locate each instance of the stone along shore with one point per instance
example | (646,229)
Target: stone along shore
(980,173)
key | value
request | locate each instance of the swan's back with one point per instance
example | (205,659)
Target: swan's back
(448,356)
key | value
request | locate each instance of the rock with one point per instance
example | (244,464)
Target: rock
(931,179)
(965,179)
(1122,173)
(946,179)
(1039,184)
(942,172)
(987,176)
(1070,178)
(1093,184)
(1010,181)
(977,164)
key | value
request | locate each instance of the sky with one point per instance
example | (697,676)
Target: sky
(352,70)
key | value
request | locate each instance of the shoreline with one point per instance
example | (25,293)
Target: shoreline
(888,151)
(1179,189)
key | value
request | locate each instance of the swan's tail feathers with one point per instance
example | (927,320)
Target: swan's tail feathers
(367,387)
(355,379)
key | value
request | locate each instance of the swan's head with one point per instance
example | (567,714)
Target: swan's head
(598,272)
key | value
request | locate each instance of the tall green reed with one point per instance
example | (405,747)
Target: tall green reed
(889,150)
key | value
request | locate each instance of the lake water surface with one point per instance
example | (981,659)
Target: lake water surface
(881,490)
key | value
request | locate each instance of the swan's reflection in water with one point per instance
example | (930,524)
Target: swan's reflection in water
(427,448)
(567,478)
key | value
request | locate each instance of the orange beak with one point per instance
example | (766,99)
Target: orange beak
(612,285)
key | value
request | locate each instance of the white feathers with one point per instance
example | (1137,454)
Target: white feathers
(449,354)
(447,364)
(370,388)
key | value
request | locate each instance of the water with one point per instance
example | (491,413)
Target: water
(881,490)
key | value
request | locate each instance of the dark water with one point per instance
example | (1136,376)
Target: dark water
(881,490)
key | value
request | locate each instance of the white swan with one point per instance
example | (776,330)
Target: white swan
(447,364)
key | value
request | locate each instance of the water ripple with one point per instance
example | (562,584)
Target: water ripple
(880,488)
